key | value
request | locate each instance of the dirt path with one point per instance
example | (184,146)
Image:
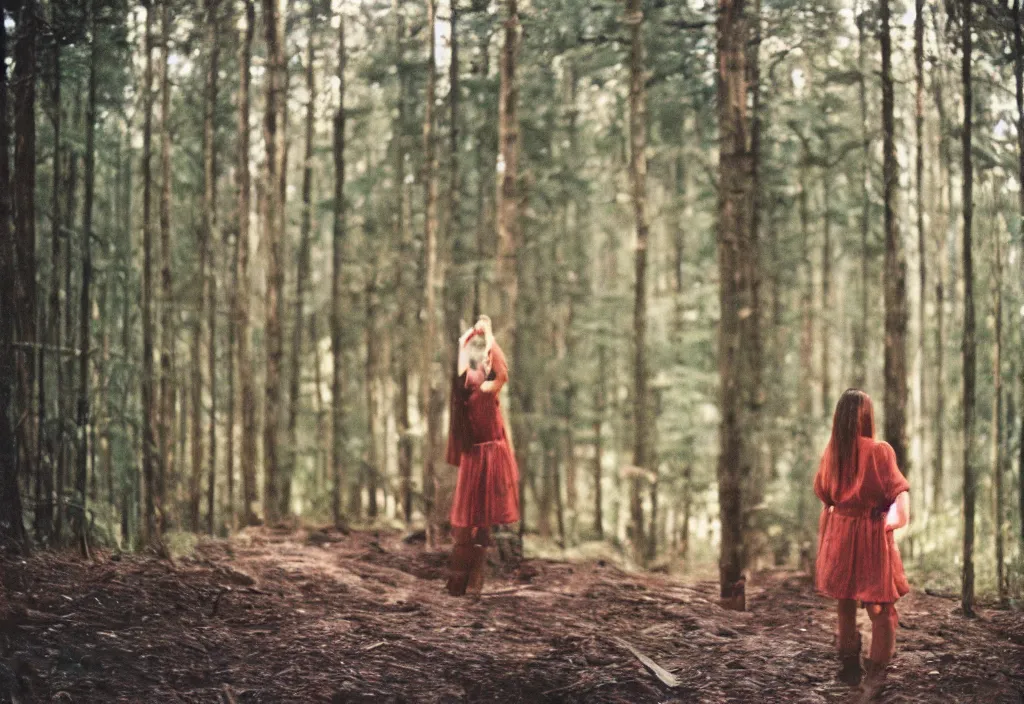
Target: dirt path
(297,617)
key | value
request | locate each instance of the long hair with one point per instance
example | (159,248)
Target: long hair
(854,418)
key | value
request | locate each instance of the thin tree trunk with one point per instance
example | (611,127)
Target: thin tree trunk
(372,468)
(273,134)
(1018,72)
(65,403)
(150,416)
(861,330)
(997,417)
(167,329)
(826,288)
(24,88)
(320,475)
(44,512)
(85,312)
(510,240)
(642,456)
(302,269)
(427,389)
(970,481)
(482,167)
(337,291)
(946,166)
(894,283)
(922,252)
(12,530)
(210,243)
(243,294)
(455,281)
(598,427)
(734,203)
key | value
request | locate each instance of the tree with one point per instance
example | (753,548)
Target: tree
(1018,73)
(338,260)
(427,390)
(167,329)
(210,238)
(970,481)
(895,294)
(151,532)
(273,137)
(24,187)
(12,530)
(243,286)
(302,263)
(642,456)
(85,312)
(735,299)
(997,416)
(922,252)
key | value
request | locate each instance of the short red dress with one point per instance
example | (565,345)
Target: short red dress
(487,490)
(857,557)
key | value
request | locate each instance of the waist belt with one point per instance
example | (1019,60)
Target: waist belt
(873,514)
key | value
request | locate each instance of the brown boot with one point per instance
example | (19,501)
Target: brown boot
(874,680)
(459,569)
(850,671)
(478,566)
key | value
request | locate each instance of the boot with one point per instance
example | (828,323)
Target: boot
(459,569)
(874,679)
(850,671)
(478,565)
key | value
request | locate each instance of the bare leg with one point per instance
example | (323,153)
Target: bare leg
(461,561)
(883,632)
(848,643)
(481,541)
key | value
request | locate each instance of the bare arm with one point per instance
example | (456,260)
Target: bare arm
(500,368)
(463,364)
(899,513)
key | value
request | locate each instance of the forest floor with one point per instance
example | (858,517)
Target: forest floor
(297,616)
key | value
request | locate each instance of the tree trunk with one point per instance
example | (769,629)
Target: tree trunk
(600,402)
(895,293)
(302,269)
(24,186)
(371,466)
(427,389)
(12,531)
(338,244)
(733,230)
(997,416)
(150,417)
(922,252)
(44,511)
(455,280)
(970,481)
(273,236)
(167,328)
(85,311)
(861,329)
(483,161)
(826,288)
(210,243)
(243,287)
(642,455)
(1018,72)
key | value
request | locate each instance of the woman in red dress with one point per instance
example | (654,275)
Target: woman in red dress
(487,490)
(865,499)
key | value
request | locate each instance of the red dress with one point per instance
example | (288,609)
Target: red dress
(857,557)
(487,491)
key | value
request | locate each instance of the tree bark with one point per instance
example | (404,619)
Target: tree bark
(338,244)
(735,292)
(600,402)
(12,530)
(895,293)
(167,331)
(427,389)
(210,243)
(150,417)
(970,481)
(1018,73)
(273,236)
(243,287)
(861,329)
(85,311)
(997,416)
(922,252)
(302,269)
(24,89)
(45,510)
(642,454)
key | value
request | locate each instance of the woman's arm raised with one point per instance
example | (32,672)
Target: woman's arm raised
(899,513)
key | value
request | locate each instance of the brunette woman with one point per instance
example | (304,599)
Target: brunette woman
(865,499)
(487,489)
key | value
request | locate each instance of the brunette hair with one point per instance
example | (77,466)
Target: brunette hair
(854,418)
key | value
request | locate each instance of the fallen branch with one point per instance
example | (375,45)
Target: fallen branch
(666,677)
